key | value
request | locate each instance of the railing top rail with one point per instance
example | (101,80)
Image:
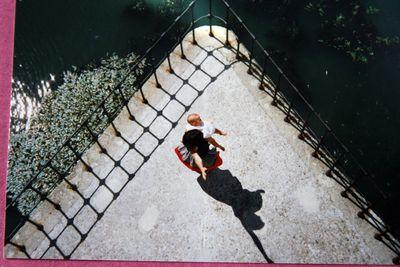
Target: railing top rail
(149,50)
(137,63)
(309,106)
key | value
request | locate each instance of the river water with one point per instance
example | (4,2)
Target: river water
(360,101)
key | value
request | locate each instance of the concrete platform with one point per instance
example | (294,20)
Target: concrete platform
(269,201)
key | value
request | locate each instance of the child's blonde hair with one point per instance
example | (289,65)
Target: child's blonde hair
(192,118)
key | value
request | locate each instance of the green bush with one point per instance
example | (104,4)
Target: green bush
(345,26)
(60,115)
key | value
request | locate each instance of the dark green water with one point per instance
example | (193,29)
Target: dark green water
(51,36)
(360,101)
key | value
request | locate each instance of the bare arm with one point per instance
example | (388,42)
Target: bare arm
(215,143)
(218,131)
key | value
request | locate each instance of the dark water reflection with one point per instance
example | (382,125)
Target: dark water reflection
(53,36)
(360,101)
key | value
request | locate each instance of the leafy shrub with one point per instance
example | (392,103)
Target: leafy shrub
(345,26)
(60,115)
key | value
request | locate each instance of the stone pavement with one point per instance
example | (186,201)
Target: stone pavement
(270,200)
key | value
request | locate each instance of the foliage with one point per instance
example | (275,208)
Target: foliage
(138,8)
(372,10)
(60,115)
(344,25)
(170,8)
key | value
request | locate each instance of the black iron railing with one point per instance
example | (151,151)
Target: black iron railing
(341,163)
(59,165)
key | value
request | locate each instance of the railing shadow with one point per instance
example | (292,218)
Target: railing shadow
(226,188)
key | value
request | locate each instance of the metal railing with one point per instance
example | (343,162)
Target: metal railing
(342,165)
(70,151)
(340,161)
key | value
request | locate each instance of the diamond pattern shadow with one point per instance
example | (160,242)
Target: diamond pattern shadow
(98,177)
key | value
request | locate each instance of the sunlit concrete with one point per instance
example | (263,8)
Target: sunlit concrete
(270,198)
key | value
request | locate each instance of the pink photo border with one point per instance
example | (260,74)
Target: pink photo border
(7,16)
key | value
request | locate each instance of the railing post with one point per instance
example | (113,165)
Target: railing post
(122,93)
(335,163)
(117,133)
(347,189)
(144,100)
(170,70)
(315,153)
(87,167)
(361,214)
(334,168)
(274,101)
(350,187)
(125,102)
(227,26)
(303,128)
(96,139)
(249,71)
(287,117)
(193,34)
(210,18)
(129,111)
(21,248)
(181,45)
(158,85)
(378,236)
(237,49)
(261,86)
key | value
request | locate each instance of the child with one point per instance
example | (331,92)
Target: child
(207,128)
(194,153)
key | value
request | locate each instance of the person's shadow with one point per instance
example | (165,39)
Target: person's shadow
(224,187)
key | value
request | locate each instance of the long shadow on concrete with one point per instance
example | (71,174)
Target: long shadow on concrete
(224,187)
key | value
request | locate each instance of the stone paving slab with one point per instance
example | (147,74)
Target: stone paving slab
(270,198)
(176,217)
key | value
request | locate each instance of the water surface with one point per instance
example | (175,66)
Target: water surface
(360,101)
